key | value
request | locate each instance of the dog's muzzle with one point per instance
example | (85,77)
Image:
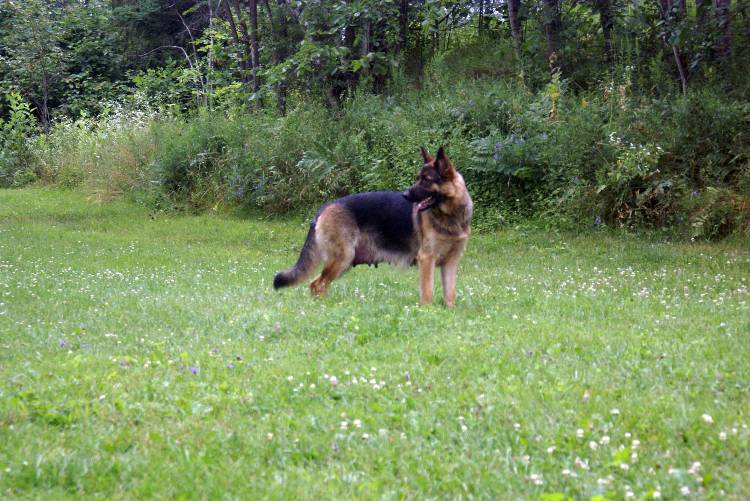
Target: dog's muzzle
(423,199)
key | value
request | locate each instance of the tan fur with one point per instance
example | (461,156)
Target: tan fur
(441,228)
(443,237)
(336,235)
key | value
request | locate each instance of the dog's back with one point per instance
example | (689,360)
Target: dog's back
(365,228)
(386,226)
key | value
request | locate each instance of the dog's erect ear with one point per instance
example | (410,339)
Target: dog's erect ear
(444,165)
(426,155)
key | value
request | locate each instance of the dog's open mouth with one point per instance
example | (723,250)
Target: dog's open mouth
(425,204)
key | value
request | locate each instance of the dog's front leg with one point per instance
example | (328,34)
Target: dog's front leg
(448,272)
(426,277)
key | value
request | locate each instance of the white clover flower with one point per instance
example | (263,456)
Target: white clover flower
(536,478)
(593,445)
(636,443)
(615,412)
(604,440)
(579,433)
(685,490)
(707,419)
(357,423)
(551,449)
(344,425)
(656,495)
(723,436)
(624,466)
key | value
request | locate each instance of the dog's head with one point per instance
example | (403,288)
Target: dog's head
(433,181)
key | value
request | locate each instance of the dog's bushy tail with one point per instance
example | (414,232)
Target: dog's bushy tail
(306,263)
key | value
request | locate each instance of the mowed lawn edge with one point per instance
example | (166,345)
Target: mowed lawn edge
(147,355)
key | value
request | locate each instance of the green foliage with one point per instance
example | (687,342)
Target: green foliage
(15,136)
(110,156)
(568,158)
(716,213)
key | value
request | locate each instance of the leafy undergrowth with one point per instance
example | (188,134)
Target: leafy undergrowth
(149,357)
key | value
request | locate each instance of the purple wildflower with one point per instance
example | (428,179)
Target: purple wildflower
(63,343)
(194,370)
(598,221)
(230,365)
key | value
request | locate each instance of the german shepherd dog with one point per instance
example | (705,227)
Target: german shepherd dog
(426,225)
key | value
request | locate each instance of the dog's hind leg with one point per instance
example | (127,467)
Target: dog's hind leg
(331,271)
(336,234)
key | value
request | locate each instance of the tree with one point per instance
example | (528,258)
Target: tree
(552,26)
(34,57)
(515,26)
(670,20)
(723,46)
(606,21)
(252,8)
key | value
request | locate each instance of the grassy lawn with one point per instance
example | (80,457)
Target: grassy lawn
(149,357)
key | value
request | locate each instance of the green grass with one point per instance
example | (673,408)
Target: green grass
(149,357)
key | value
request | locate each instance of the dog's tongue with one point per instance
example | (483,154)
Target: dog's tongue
(424,203)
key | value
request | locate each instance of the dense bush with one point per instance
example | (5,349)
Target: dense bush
(15,150)
(603,156)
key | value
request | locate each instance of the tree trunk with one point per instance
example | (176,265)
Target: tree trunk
(403,25)
(481,18)
(366,30)
(723,46)
(237,42)
(281,54)
(252,7)
(666,14)
(552,25)
(605,19)
(701,14)
(515,26)
(680,68)
(44,105)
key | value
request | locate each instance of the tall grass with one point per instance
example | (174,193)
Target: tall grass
(110,157)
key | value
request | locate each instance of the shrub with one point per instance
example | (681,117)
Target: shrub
(110,156)
(569,158)
(16,168)
(716,213)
